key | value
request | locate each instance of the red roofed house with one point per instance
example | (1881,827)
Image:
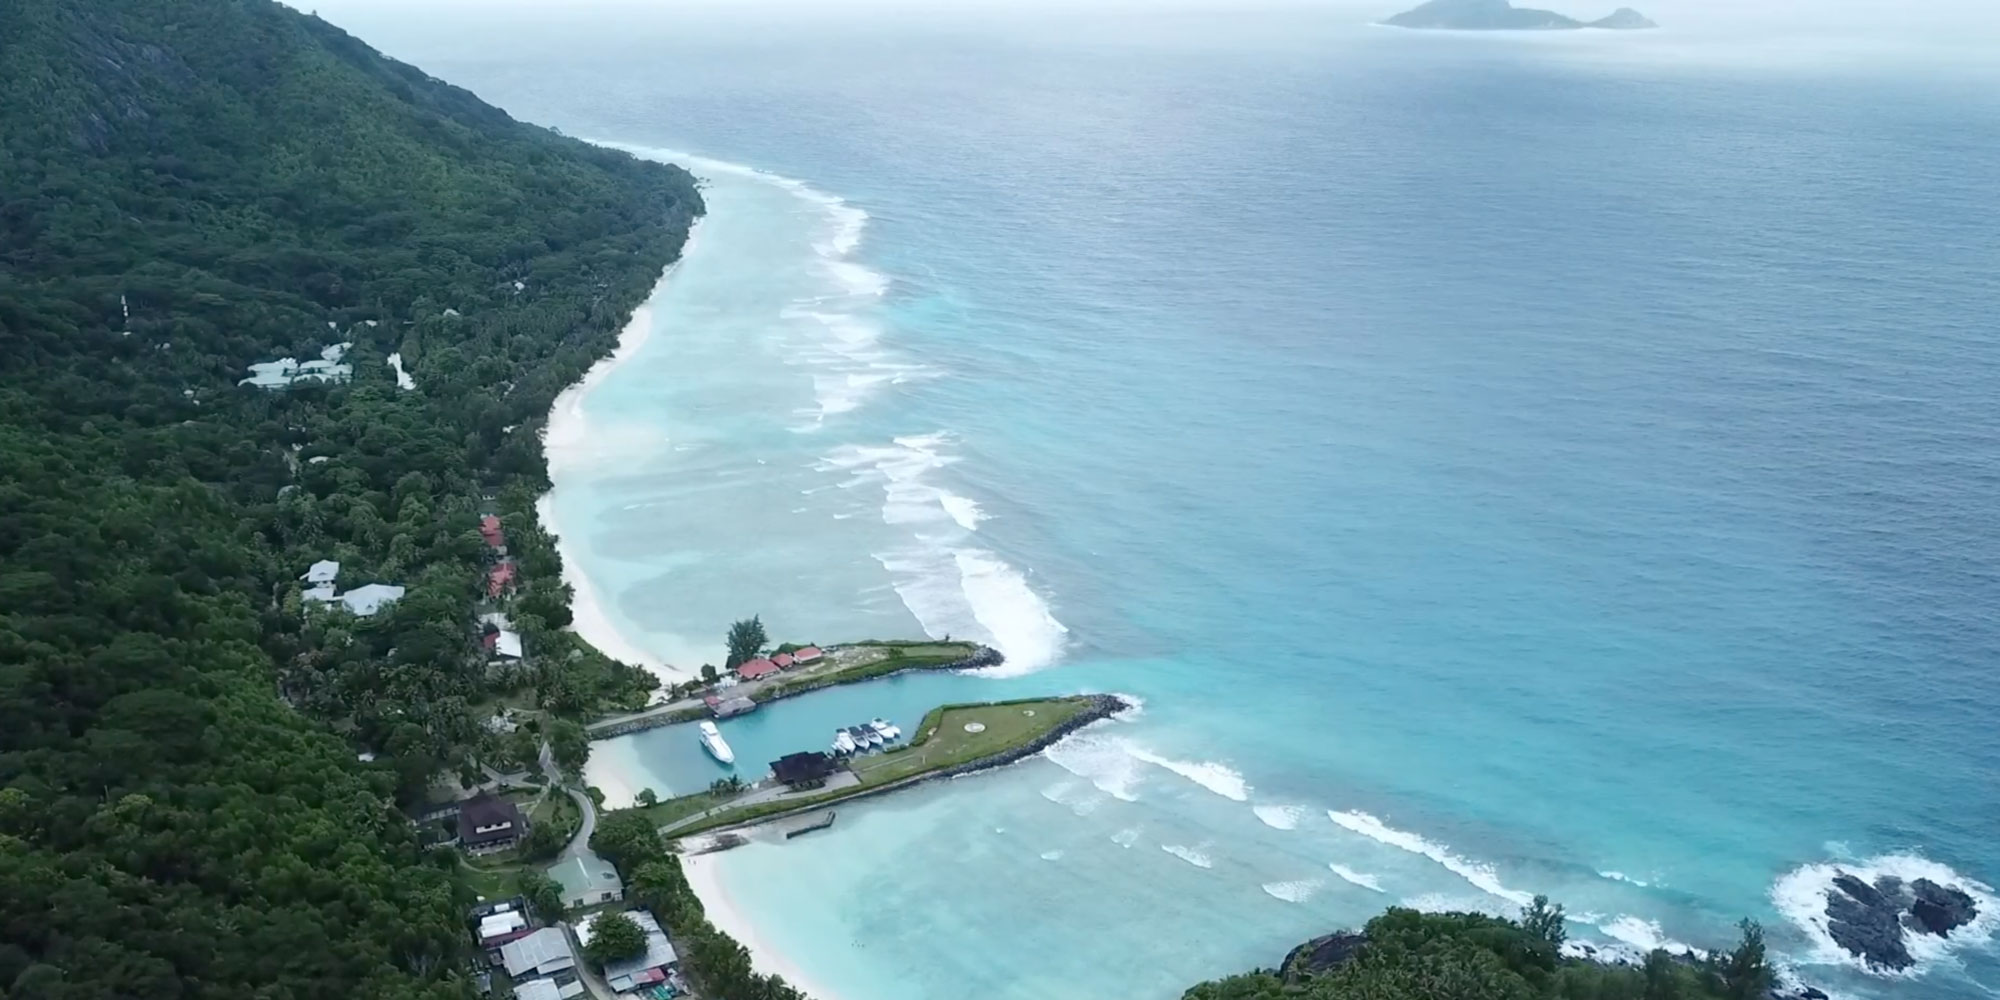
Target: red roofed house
(783,660)
(489,529)
(499,578)
(750,670)
(810,654)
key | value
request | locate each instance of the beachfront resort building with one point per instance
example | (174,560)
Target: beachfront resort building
(498,637)
(587,880)
(652,967)
(487,824)
(809,654)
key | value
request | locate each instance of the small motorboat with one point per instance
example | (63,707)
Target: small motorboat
(717,747)
(842,742)
(890,733)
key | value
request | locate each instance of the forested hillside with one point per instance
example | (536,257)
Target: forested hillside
(188,187)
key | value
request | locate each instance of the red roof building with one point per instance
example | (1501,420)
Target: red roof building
(810,654)
(499,578)
(750,670)
(783,660)
(489,529)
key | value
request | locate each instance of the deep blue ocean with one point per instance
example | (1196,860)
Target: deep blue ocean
(1499,465)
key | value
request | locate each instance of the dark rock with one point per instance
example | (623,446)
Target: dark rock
(1940,909)
(1867,920)
(1798,992)
(1321,954)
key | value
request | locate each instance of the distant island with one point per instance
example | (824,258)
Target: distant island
(1499,15)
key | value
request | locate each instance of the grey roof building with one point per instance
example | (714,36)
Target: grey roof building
(587,880)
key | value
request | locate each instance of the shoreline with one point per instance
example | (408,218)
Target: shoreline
(564,431)
(720,907)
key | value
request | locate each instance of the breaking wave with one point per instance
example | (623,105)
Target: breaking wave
(1297,891)
(1217,778)
(1480,875)
(1280,817)
(1362,879)
(1192,855)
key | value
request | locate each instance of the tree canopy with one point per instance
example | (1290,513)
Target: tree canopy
(188,187)
(614,936)
(1407,955)
(746,640)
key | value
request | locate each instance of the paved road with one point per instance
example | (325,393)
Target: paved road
(579,845)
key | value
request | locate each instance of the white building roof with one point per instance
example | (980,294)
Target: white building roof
(508,645)
(543,953)
(324,593)
(497,619)
(323,571)
(365,601)
(501,923)
(537,989)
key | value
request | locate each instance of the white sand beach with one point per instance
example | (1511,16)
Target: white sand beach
(567,439)
(704,878)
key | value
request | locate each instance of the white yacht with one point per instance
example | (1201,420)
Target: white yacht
(889,732)
(717,747)
(842,743)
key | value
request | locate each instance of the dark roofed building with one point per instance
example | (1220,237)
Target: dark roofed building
(803,770)
(487,824)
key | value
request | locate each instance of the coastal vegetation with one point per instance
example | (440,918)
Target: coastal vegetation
(1408,955)
(746,640)
(613,936)
(188,188)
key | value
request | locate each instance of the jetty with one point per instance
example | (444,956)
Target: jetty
(799,828)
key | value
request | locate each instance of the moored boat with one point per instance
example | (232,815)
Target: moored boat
(717,747)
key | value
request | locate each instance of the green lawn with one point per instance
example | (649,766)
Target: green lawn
(941,742)
(491,881)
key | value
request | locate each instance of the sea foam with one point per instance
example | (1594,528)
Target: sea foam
(1196,856)
(1480,875)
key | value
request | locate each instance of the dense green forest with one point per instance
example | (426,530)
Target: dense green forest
(188,187)
(1407,955)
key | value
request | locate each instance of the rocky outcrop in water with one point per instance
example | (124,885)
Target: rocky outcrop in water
(1873,921)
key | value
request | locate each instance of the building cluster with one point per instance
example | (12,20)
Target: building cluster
(750,670)
(323,587)
(287,372)
(545,962)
